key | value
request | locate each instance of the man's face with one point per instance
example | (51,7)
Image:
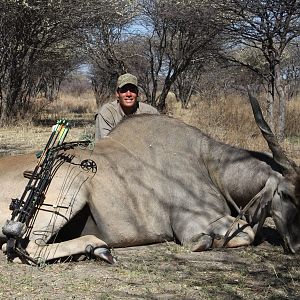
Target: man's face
(127,95)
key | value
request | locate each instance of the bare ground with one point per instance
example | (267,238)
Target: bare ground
(162,271)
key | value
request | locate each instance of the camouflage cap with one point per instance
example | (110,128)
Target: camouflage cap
(127,79)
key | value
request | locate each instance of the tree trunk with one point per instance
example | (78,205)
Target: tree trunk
(3,109)
(271,98)
(281,105)
(164,93)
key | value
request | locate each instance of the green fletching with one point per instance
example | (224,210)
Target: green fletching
(38,154)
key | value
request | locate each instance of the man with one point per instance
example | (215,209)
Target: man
(127,104)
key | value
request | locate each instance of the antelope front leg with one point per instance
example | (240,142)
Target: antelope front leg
(88,245)
(224,235)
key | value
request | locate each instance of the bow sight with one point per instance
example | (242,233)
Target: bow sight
(25,209)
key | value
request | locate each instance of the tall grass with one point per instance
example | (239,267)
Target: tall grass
(231,120)
(292,119)
(83,103)
(70,105)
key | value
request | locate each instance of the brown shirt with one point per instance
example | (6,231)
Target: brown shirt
(111,114)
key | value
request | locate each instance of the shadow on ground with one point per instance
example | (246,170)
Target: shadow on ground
(162,271)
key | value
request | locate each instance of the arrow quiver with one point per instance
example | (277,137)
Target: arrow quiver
(25,209)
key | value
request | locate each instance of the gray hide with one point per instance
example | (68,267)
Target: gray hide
(160,179)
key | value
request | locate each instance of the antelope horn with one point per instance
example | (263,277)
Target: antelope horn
(277,151)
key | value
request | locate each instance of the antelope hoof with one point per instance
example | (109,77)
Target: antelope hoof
(201,242)
(101,253)
(104,254)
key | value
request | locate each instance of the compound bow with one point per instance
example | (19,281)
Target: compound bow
(25,209)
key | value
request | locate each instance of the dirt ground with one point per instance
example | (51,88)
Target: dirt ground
(162,271)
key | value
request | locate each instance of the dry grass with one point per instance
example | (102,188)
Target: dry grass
(25,138)
(32,134)
(231,120)
(160,272)
(67,104)
(85,103)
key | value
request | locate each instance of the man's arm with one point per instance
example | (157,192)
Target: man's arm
(107,119)
(103,126)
